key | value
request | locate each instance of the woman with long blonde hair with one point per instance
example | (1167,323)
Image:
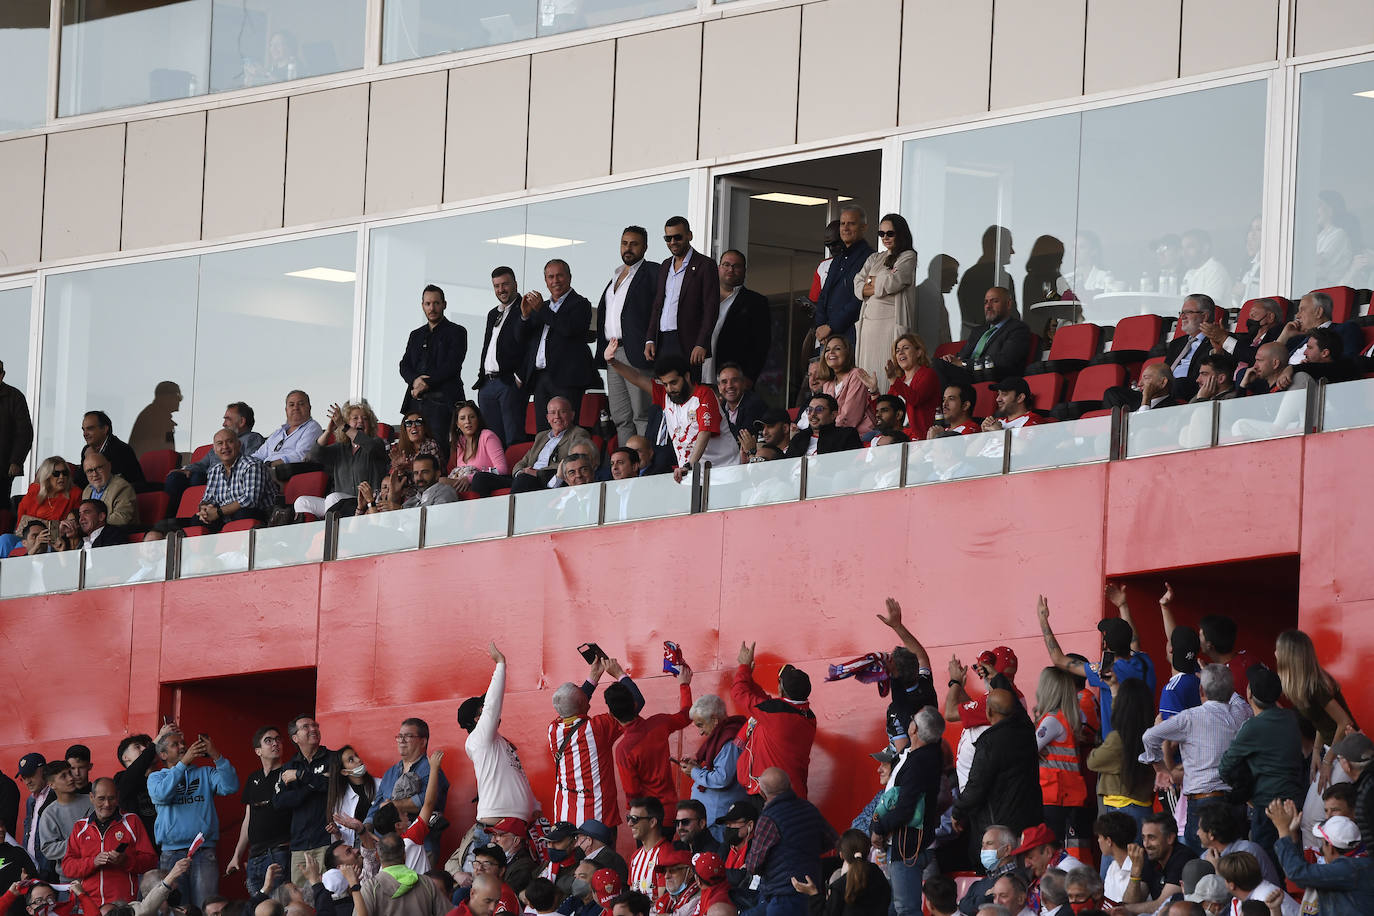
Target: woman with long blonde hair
(1063,789)
(53,500)
(1316,696)
(355,456)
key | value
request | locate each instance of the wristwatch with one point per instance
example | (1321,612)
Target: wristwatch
(354,888)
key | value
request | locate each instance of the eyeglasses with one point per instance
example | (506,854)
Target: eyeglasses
(811,410)
(412,422)
(887,234)
(633,819)
(59,472)
(685,821)
(675,237)
(405,737)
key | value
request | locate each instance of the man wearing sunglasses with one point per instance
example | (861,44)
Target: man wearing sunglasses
(822,436)
(687,302)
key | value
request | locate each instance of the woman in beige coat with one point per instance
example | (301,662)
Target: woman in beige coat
(887,285)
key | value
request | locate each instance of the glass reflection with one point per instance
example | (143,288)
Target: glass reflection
(420,28)
(557,16)
(254,42)
(1334,201)
(23,63)
(16,306)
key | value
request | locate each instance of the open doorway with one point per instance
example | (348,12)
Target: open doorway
(777,216)
(230,710)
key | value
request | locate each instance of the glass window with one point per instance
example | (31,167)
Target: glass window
(16,306)
(24,63)
(458,253)
(144,51)
(271,41)
(163,346)
(420,28)
(1334,204)
(557,16)
(1120,208)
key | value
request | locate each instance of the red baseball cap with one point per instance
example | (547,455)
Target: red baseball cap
(998,659)
(1035,837)
(606,885)
(667,858)
(974,713)
(509,825)
(709,867)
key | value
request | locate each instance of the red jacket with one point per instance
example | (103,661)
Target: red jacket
(641,754)
(779,733)
(109,883)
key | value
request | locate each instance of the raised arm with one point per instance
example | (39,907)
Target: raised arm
(628,373)
(496,695)
(1116,594)
(1166,611)
(617,672)
(432,786)
(1057,656)
(894,620)
(956,696)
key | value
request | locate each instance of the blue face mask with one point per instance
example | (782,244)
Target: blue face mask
(989,858)
(675,889)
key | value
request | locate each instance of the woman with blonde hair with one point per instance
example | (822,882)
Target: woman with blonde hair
(841,381)
(913,380)
(53,500)
(1316,696)
(1063,788)
(355,456)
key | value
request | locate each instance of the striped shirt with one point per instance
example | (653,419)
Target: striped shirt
(584,784)
(1203,734)
(247,483)
(642,868)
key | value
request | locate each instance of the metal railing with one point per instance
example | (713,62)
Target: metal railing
(1091,440)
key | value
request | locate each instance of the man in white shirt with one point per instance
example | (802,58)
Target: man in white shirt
(291,442)
(1205,274)
(503,789)
(500,392)
(623,314)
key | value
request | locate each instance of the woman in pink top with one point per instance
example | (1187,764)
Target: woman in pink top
(474,447)
(842,382)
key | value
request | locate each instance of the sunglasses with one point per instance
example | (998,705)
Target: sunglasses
(633,819)
(59,472)
(412,422)
(685,821)
(888,234)
(675,237)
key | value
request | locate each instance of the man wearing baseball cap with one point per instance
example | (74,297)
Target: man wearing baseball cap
(780,730)
(597,842)
(606,887)
(563,856)
(1120,647)
(1264,761)
(997,669)
(1342,880)
(1013,406)
(1356,753)
(511,834)
(1040,850)
(40,796)
(1210,889)
(677,877)
(739,823)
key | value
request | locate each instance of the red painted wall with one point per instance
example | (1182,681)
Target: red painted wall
(405,634)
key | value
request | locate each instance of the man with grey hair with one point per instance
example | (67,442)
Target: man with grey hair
(1202,735)
(1260,324)
(916,777)
(713,768)
(1054,897)
(583,764)
(1316,310)
(837,309)
(998,857)
(994,909)
(1084,888)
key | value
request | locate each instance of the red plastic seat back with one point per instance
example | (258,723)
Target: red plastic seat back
(1138,332)
(949,349)
(243,524)
(190,501)
(200,453)
(311,483)
(1245,307)
(152,507)
(530,420)
(386,432)
(986,404)
(1047,389)
(1095,380)
(1076,341)
(1343,304)
(593,402)
(158,463)
(517,451)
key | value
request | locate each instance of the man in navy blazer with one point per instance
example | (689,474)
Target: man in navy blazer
(623,314)
(687,301)
(1315,311)
(557,361)
(746,328)
(501,393)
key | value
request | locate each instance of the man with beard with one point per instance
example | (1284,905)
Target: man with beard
(691,413)
(623,313)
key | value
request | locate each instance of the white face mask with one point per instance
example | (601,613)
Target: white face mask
(359,770)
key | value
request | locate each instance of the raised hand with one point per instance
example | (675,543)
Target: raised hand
(746,653)
(495,653)
(1116,593)
(894,614)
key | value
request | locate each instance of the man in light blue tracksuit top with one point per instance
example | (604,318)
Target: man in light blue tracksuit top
(184,796)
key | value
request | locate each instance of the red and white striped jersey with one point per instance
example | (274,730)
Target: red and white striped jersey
(642,868)
(584,773)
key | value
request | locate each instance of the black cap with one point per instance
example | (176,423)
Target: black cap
(563,830)
(1183,649)
(739,811)
(1013,383)
(469,711)
(771,417)
(1117,634)
(493,852)
(1265,685)
(794,682)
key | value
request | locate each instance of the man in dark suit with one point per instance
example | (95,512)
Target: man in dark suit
(96,429)
(1263,322)
(996,349)
(1156,391)
(1184,354)
(837,309)
(500,394)
(823,436)
(687,301)
(744,330)
(623,314)
(557,363)
(432,367)
(738,401)
(1315,311)
(90,519)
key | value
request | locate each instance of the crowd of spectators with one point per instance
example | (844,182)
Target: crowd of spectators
(683,344)
(1230,787)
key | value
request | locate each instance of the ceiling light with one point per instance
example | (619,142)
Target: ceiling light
(800,200)
(329,274)
(530,240)
(1367,94)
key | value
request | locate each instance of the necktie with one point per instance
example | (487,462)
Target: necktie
(983,341)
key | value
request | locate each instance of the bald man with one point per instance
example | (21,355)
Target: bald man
(1004,781)
(788,841)
(485,895)
(1263,376)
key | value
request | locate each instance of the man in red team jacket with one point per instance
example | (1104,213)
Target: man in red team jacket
(780,729)
(108,850)
(642,757)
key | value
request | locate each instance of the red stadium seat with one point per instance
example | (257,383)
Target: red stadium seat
(949,349)
(243,524)
(311,483)
(190,501)
(1033,354)
(158,463)
(1343,304)
(517,451)
(386,432)
(1093,382)
(1368,332)
(193,531)
(152,507)
(1047,389)
(530,419)
(1074,346)
(200,453)
(793,412)
(1103,412)
(1245,310)
(592,404)
(987,400)
(1133,339)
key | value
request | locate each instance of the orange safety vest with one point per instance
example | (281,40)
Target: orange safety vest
(1061,781)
